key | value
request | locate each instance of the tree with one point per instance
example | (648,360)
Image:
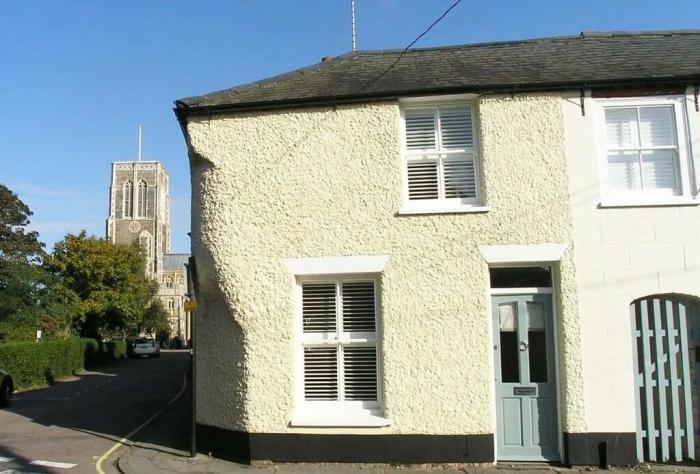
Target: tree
(155,319)
(16,244)
(107,280)
(23,283)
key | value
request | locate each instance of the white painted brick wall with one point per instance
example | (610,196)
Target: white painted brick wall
(621,254)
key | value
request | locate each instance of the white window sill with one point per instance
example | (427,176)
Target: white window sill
(408,209)
(347,418)
(650,202)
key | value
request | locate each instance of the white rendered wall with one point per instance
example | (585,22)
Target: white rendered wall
(621,254)
(326,182)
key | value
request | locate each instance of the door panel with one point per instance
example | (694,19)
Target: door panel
(525,378)
(513,432)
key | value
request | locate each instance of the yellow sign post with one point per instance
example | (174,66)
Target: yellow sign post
(190,305)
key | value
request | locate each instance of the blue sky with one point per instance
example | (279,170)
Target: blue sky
(78,76)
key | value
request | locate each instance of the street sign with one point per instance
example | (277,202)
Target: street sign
(190,305)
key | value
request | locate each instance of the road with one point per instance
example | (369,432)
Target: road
(67,427)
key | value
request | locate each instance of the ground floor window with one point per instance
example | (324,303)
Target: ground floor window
(339,344)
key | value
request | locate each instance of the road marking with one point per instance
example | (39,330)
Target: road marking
(60,465)
(2,459)
(121,442)
(14,471)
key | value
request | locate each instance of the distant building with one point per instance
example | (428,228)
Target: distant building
(139,211)
(173,287)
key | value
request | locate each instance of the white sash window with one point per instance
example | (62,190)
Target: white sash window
(645,153)
(439,149)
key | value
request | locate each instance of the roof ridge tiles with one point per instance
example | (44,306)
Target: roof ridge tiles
(582,35)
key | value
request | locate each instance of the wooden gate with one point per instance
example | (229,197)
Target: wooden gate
(663,378)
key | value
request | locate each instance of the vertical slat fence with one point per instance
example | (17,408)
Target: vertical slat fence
(665,407)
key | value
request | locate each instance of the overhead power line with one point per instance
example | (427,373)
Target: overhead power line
(398,58)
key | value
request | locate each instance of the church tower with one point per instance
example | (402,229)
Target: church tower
(139,210)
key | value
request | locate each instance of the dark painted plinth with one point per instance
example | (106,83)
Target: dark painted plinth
(293,447)
(600,449)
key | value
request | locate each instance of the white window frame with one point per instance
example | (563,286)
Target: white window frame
(650,197)
(440,205)
(335,413)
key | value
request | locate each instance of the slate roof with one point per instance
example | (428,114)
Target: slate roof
(595,59)
(173,262)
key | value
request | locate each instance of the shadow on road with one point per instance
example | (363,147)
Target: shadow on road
(12,462)
(103,406)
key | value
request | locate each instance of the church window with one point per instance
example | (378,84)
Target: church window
(145,243)
(128,201)
(168,281)
(171,306)
(142,199)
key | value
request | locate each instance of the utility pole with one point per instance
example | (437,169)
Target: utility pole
(191,294)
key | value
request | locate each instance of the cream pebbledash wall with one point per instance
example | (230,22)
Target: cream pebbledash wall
(621,254)
(318,182)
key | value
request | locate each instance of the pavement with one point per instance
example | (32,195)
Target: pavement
(133,417)
(163,447)
(67,427)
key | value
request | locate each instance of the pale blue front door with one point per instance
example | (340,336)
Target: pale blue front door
(526,397)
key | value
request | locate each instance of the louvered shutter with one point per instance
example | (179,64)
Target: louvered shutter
(456,129)
(621,128)
(423,179)
(358,307)
(460,178)
(656,126)
(359,362)
(318,307)
(623,170)
(642,148)
(657,129)
(440,160)
(420,130)
(342,364)
(660,170)
(360,373)
(321,373)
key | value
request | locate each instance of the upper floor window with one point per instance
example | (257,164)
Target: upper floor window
(645,147)
(142,196)
(440,162)
(168,281)
(128,199)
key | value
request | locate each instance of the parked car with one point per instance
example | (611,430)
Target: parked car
(7,388)
(146,347)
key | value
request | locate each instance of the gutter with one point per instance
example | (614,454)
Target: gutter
(183,111)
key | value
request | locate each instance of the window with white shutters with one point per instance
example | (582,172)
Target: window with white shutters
(339,340)
(645,152)
(440,155)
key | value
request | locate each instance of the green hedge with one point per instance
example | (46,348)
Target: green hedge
(33,364)
(36,364)
(115,349)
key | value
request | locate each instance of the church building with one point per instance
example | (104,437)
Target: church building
(139,211)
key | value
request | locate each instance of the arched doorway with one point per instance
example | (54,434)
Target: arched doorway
(666,331)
